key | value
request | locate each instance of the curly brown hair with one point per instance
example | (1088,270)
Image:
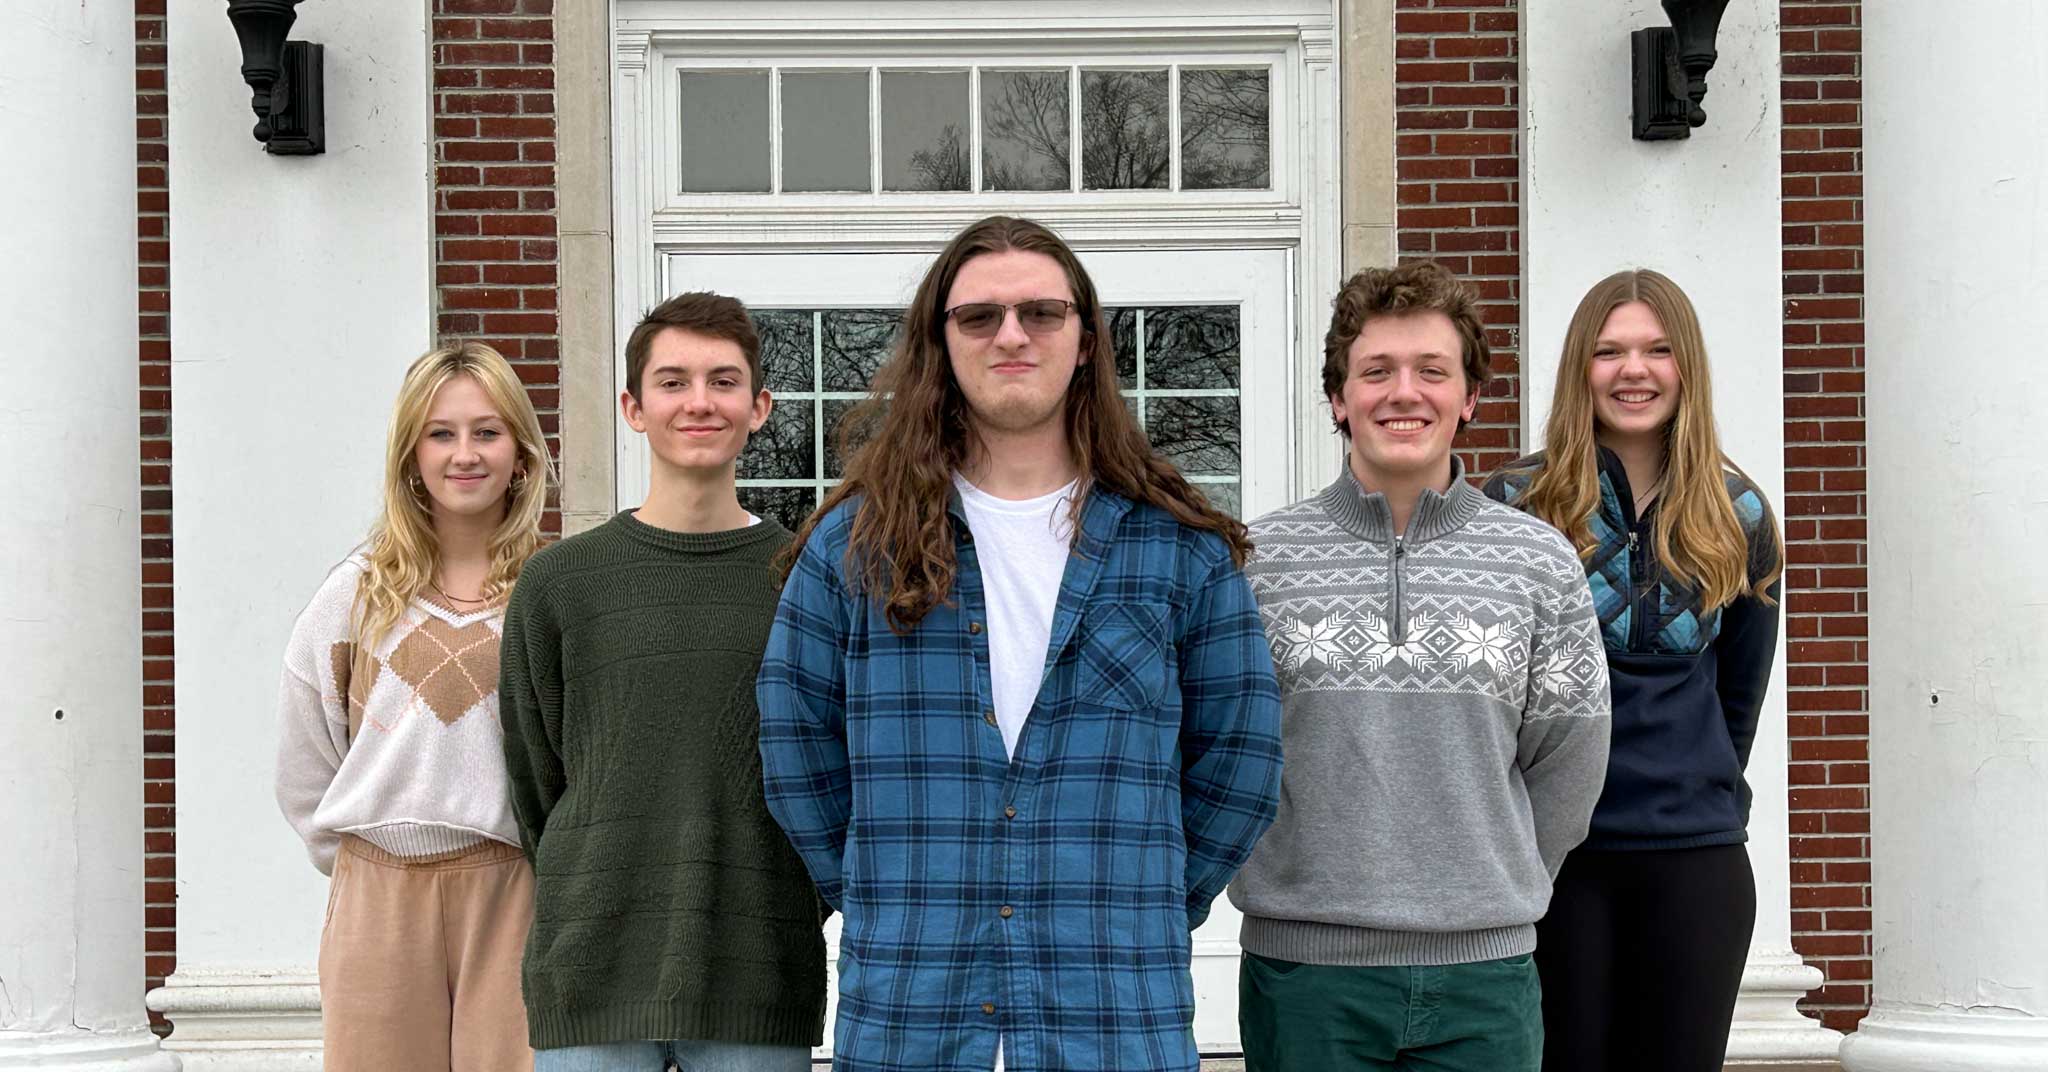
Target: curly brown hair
(905,441)
(1415,287)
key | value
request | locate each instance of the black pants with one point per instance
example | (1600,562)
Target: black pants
(1641,957)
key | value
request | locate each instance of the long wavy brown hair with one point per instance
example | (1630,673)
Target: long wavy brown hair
(904,442)
(1697,535)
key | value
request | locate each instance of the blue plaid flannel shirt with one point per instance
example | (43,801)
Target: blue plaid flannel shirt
(1051,897)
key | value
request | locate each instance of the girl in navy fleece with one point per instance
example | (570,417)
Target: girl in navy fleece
(1683,557)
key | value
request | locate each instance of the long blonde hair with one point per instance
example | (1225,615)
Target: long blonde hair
(403,551)
(1697,537)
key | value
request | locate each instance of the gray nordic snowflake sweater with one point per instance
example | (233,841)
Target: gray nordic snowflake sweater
(1445,726)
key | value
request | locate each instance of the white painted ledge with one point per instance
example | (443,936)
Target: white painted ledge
(1769,1029)
(133,1050)
(225,1021)
(1896,1038)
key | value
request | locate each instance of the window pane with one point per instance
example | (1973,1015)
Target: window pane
(725,132)
(786,350)
(856,342)
(1123,339)
(1124,130)
(1025,130)
(825,131)
(836,410)
(1191,346)
(924,130)
(782,449)
(1225,130)
(788,506)
(1224,497)
(1198,434)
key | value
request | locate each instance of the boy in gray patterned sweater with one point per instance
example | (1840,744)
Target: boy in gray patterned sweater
(1445,721)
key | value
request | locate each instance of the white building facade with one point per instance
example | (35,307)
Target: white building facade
(536,172)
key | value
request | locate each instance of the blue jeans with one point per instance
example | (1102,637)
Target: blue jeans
(687,1055)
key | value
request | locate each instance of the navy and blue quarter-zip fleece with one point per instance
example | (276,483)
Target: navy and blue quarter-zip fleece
(1688,684)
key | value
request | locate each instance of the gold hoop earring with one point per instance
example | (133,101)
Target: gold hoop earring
(517,484)
(418,486)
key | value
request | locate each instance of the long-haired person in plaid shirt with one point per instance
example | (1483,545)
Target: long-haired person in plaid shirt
(1018,715)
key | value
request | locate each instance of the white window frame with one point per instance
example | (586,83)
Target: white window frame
(656,39)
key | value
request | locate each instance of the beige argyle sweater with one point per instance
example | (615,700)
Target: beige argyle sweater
(401,746)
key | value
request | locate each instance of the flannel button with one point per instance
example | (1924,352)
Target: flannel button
(974,627)
(989,717)
(1006,912)
(1010,811)
(988,1008)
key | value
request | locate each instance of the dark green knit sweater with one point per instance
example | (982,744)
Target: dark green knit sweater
(667,903)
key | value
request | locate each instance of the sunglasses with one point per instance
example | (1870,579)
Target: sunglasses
(1040,316)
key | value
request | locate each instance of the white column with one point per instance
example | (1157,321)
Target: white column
(71,965)
(1958,207)
(1705,212)
(301,289)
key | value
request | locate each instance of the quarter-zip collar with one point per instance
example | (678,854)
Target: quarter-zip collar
(1366,515)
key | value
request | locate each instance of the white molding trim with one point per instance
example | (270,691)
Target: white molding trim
(130,1050)
(850,229)
(1769,1029)
(242,1021)
(1904,1038)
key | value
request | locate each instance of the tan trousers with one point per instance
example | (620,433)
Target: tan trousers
(419,960)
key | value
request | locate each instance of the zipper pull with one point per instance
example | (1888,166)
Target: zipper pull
(1631,539)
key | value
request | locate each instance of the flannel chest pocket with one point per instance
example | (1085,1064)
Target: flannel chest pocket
(1123,655)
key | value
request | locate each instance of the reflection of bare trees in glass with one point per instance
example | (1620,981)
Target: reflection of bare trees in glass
(787,506)
(785,348)
(1191,346)
(856,343)
(1200,435)
(944,165)
(781,450)
(1225,130)
(1024,136)
(1123,130)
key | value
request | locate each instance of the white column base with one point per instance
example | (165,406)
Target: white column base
(1895,1038)
(134,1050)
(224,1021)
(1769,1029)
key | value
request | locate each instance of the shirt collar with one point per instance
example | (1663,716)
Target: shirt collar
(1365,514)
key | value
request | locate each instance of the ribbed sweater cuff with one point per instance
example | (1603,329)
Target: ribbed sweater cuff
(1365,947)
(664,1021)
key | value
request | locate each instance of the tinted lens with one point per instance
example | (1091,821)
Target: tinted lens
(1042,317)
(978,319)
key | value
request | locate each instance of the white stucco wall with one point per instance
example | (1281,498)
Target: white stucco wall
(1704,211)
(300,290)
(1957,200)
(70,575)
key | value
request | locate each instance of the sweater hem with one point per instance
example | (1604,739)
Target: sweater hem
(1627,843)
(665,1021)
(1309,942)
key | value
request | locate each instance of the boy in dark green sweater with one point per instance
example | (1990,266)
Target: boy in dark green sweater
(673,922)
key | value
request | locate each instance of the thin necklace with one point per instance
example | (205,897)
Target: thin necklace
(453,599)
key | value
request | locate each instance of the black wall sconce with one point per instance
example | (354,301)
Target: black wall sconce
(1670,66)
(284,75)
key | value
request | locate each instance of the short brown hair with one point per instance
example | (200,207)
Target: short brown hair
(1415,287)
(699,312)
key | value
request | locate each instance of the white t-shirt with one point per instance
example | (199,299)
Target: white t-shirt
(1022,546)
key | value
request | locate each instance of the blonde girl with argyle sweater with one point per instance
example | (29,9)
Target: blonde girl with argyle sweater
(390,760)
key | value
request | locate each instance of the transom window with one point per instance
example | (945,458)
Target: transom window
(998,128)
(1178,366)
